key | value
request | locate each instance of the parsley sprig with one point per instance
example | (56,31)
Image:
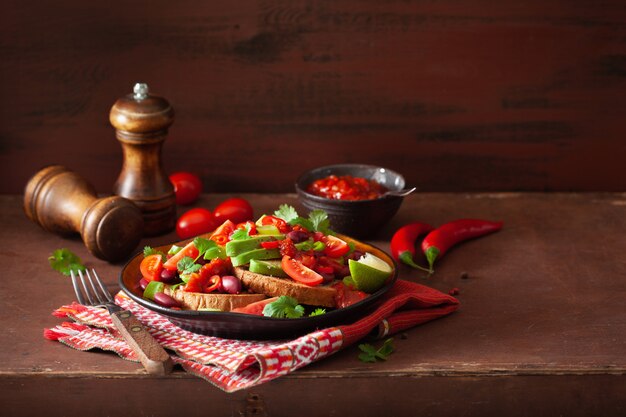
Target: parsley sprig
(148,250)
(316,222)
(284,307)
(242,234)
(187,266)
(65,261)
(370,354)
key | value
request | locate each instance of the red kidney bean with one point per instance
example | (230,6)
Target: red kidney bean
(356,255)
(327,277)
(298,236)
(143,283)
(168,276)
(165,300)
(230,285)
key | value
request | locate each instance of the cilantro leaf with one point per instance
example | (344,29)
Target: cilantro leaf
(306,223)
(203,245)
(65,261)
(317,312)
(187,265)
(242,234)
(148,250)
(320,221)
(286,212)
(371,354)
(284,307)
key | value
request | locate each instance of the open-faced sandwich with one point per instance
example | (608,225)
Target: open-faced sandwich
(283,265)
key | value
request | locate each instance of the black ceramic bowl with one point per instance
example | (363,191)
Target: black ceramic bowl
(360,218)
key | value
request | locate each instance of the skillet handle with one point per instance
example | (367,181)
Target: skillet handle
(152,355)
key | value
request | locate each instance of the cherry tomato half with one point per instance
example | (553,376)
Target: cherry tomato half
(187,187)
(255,308)
(335,247)
(234,209)
(189,250)
(300,273)
(195,222)
(151,267)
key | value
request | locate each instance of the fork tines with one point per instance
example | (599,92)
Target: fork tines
(92,294)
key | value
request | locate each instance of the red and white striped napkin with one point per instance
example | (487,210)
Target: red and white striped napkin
(233,365)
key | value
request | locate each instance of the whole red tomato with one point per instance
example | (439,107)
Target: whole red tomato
(235,209)
(187,187)
(195,222)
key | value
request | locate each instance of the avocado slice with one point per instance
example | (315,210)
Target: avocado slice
(237,247)
(271,267)
(246,257)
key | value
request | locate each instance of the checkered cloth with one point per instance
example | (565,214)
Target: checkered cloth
(233,365)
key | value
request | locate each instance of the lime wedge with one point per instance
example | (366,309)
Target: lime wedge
(369,273)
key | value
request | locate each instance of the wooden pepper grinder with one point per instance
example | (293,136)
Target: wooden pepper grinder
(141,122)
(63,202)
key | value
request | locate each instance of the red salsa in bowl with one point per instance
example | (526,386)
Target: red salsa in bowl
(346,187)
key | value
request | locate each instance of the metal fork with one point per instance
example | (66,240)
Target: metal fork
(91,291)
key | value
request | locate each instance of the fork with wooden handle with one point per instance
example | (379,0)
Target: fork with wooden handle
(91,291)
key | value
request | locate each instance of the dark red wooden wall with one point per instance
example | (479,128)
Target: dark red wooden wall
(458,95)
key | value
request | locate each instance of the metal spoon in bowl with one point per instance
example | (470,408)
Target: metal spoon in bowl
(399,193)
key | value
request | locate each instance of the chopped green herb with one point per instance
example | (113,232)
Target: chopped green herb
(317,312)
(317,221)
(65,261)
(320,221)
(203,245)
(241,234)
(306,223)
(370,354)
(187,266)
(286,212)
(148,250)
(284,307)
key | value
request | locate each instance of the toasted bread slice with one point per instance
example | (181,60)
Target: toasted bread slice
(321,295)
(222,302)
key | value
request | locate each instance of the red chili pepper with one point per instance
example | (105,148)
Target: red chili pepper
(437,242)
(403,242)
(213,284)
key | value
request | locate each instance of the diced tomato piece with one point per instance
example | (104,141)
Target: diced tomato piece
(249,224)
(300,273)
(271,244)
(346,297)
(223,232)
(188,250)
(255,308)
(287,248)
(195,283)
(324,269)
(307,259)
(151,267)
(217,266)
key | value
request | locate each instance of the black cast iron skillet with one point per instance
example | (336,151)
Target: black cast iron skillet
(246,326)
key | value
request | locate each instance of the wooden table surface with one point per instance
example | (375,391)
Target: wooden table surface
(541,329)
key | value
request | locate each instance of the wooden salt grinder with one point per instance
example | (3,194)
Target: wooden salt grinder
(141,122)
(63,202)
